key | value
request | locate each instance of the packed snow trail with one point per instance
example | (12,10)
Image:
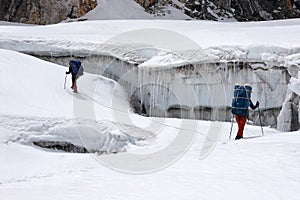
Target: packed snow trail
(264,168)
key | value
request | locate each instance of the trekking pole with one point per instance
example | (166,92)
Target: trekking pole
(65,81)
(231,126)
(262,131)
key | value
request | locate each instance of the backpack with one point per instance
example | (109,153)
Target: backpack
(241,100)
(76,67)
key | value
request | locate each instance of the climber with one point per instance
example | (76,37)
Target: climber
(240,106)
(76,70)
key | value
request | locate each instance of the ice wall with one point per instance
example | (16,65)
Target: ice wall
(204,91)
(289,117)
(195,91)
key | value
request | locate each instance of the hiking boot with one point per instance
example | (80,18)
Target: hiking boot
(238,137)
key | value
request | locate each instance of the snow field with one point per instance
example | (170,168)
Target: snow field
(34,106)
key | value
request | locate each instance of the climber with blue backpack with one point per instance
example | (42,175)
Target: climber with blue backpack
(240,106)
(76,70)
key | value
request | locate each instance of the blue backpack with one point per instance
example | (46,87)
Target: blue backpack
(241,100)
(76,67)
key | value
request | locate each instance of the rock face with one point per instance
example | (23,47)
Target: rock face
(256,10)
(146,3)
(43,11)
(54,11)
(240,10)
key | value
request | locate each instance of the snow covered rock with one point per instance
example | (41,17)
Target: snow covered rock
(243,10)
(289,117)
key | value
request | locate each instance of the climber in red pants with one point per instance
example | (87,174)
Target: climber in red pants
(241,121)
(240,106)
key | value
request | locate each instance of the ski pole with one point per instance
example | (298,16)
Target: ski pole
(262,131)
(65,81)
(231,126)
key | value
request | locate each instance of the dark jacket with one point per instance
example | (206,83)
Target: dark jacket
(70,71)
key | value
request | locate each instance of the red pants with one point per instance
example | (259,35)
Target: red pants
(241,120)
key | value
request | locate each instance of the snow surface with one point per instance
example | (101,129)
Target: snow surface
(117,9)
(14,24)
(35,106)
(48,108)
(128,9)
(254,41)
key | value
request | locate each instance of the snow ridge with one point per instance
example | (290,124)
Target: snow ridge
(94,136)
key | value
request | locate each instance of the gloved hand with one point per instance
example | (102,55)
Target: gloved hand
(67,73)
(257,104)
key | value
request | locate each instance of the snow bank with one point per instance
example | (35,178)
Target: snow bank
(79,136)
(34,101)
(207,34)
(32,87)
(254,41)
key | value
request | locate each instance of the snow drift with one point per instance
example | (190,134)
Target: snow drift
(32,96)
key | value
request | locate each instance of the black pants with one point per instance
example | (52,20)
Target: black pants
(74,78)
